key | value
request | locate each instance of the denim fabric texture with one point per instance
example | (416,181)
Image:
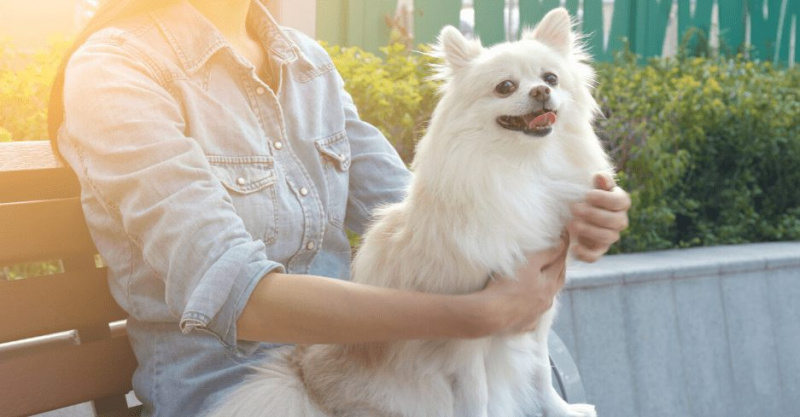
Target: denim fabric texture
(199,177)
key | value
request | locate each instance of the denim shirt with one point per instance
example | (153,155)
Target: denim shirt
(198,178)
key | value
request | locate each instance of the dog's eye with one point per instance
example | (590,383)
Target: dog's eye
(551,78)
(506,87)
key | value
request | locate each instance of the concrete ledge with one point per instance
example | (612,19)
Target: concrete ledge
(694,332)
(683,263)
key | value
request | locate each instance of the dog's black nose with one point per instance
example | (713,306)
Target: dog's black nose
(540,93)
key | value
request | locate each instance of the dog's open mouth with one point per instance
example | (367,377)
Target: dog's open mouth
(538,123)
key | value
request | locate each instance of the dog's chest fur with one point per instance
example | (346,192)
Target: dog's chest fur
(467,216)
(475,217)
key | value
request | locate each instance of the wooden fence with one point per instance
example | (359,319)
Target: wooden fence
(770,26)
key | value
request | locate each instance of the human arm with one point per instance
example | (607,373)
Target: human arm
(310,309)
(177,248)
(377,174)
(598,220)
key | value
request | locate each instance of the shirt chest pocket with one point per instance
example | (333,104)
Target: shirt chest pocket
(250,182)
(335,154)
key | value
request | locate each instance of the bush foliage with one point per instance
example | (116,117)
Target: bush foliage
(709,148)
(24,90)
(391,91)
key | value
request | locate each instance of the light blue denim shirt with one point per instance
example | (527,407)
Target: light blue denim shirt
(198,179)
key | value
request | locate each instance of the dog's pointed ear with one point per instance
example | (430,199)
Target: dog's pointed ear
(457,50)
(554,30)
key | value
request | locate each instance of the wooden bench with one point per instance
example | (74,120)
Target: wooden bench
(81,358)
(62,341)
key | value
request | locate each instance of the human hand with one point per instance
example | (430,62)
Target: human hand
(598,221)
(518,304)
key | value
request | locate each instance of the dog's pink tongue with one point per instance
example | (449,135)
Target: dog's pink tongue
(542,120)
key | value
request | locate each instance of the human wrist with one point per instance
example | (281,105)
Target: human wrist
(477,315)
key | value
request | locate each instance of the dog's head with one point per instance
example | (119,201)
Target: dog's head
(525,89)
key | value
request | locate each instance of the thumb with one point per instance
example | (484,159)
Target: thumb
(558,252)
(604,181)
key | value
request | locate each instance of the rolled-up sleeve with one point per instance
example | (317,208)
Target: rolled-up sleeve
(377,174)
(125,137)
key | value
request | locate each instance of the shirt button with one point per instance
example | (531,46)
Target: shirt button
(260,90)
(278,145)
(241,181)
(304,191)
(311,245)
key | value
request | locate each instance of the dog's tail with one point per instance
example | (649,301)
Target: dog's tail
(276,389)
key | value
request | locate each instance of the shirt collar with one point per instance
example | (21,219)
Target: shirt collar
(195,40)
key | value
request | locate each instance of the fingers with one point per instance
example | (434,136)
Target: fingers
(600,217)
(554,269)
(599,220)
(552,255)
(556,273)
(594,231)
(604,181)
(588,252)
(592,235)
(615,199)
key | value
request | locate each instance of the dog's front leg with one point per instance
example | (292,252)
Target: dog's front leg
(470,391)
(552,404)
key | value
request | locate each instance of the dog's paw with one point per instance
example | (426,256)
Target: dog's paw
(575,410)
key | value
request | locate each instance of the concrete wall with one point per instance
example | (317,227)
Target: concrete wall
(697,332)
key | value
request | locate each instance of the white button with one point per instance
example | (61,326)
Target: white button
(278,145)
(304,191)
(341,156)
(260,90)
(241,181)
(311,245)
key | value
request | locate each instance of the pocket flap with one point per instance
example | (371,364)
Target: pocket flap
(243,174)
(337,149)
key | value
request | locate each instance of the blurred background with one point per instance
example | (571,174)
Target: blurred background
(30,24)
(696,313)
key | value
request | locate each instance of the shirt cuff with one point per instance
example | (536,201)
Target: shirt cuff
(219,298)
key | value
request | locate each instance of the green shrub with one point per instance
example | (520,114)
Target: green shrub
(25,80)
(30,270)
(709,148)
(391,91)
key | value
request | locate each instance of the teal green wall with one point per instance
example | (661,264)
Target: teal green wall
(642,23)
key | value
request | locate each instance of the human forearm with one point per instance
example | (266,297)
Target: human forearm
(309,309)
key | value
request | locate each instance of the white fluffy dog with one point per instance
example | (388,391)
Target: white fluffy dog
(509,148)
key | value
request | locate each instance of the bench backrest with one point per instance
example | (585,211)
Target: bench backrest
(42,231)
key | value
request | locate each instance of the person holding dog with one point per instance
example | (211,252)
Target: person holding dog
(221,162)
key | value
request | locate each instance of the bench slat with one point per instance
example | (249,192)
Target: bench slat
(24,155)
(43,230)
(40,184)
(56,303)
(59,376)
(29,171)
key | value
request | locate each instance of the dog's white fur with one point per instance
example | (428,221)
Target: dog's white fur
(481,199)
